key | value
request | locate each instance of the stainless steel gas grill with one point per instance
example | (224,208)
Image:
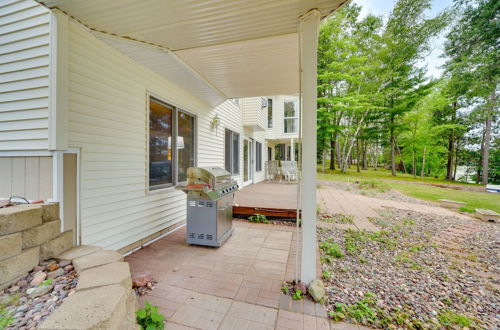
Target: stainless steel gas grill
(210,192)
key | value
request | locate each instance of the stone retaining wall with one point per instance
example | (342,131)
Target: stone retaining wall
(104,298)
(29,234)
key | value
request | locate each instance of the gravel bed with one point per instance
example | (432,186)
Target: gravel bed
(389,194)
(403,279)
(485,247)
(31,300)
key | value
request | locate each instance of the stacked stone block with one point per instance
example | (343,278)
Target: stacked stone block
(29,234)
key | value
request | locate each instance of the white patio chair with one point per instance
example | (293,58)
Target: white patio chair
(272,170)
(289,170)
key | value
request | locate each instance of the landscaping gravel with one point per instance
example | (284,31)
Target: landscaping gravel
(389,194)
(399,278)
(30,300)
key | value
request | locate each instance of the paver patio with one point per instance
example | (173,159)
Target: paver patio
(236,286)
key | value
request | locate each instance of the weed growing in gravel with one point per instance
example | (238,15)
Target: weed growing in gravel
(326,275)
(331,249)
(297,295)
(285,289)
(449,318)
(339,218)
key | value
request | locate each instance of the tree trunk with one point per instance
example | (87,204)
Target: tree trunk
(393,152)
(413,163)
(376,156)
(456,161)
(480,161)
(365,161)
(357,156)
(402,161)
(337,151)
(323,160)
(451,146)
(333,146)
(423,163)
(487,137)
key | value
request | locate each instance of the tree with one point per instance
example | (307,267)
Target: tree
(474,62)
(405,41)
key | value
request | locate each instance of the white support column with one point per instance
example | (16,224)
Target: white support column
(58,182)
(308,49)
(292,150)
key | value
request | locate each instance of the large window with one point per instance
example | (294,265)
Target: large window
(258,156)
(269,113)
(232,152)
(171,147)
(291,116)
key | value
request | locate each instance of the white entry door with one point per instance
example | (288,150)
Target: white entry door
(247,161)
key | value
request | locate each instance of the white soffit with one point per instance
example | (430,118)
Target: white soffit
(266,66)
(240,48)
(166,65)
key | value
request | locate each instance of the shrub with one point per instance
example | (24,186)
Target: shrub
(148,317)
(259,218)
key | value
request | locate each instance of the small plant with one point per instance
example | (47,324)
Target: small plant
(326,275)
(285,289)
(331,249)
(297,295)
(5,318)
(449,318)
(47,282)
(148,317)
(259,218)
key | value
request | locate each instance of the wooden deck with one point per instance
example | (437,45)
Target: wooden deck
(269,199)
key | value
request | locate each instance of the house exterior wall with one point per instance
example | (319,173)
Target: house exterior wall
(24,75)
(254,115)
(277,132)
(107,120)
(28,177)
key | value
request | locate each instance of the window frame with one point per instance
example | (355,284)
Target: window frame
(175,130)
(270,120)
(231,151)
(295,117)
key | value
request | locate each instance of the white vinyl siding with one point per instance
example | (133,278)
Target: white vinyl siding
(24,75)
(254,115)
(107,116)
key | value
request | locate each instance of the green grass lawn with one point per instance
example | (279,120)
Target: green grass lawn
(473,200)
(382,174)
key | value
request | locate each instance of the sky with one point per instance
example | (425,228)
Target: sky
(384,7)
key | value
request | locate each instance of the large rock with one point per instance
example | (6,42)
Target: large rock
(99,308)
(96,259)
(113,273)
(77,252)
(15,267)
(142,278)
(38,291)
(317,290)
(41,234)
(10,245)
(56,246)
(130,322)
(17,218)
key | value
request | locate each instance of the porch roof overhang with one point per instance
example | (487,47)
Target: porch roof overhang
(215,49)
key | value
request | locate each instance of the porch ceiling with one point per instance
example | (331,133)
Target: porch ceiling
(236,48)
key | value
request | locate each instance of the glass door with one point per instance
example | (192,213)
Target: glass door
(247,161)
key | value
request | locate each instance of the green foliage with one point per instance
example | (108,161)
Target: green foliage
(259,218)
(449,319)
(326,275)
(331,249)
(285,289)
(6,318)
(338,218)
(148,318)
(297,295)
(374,184)
(47,282)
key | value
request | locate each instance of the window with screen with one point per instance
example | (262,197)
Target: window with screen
(290,116)
(269,113)
(232,152)
(172,148)
(258,156)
